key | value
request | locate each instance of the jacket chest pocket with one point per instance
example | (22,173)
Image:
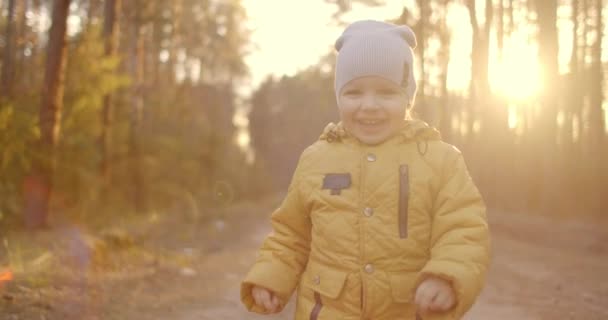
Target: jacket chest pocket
(335,195)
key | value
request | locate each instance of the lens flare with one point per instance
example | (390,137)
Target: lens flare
(6,276)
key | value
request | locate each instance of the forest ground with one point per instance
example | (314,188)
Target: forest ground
(181,266)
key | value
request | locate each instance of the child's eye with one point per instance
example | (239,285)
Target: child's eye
(352,92)
(388,92)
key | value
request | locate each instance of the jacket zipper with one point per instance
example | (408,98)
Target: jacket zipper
(404,195)
(362,199)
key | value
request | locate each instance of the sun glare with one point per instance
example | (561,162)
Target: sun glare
(287,36)
(516,76)
(243,139)
(459,66)
(513,117)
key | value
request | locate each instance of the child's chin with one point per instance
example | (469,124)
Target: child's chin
(372,139)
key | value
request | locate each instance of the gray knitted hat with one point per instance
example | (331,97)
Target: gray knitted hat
(375,48)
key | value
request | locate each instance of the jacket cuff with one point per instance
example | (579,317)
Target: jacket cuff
(457,277)
(274,276)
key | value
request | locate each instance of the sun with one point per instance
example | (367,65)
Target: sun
(517,75)
(513,73)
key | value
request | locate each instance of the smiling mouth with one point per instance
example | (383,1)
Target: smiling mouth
(371,125)
(370,122)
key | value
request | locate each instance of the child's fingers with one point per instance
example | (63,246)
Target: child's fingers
(275,301)
(442,302)
(268,305)
(424,297)
(261,296)
(256,298)
(274,304)
(267,301)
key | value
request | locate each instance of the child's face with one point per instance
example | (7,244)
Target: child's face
(372,108)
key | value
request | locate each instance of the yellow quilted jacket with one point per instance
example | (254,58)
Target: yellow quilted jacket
(361,226)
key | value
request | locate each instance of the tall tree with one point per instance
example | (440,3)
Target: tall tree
(175,40)
(597,126)
(500,32)
(548,53)
(597,93)
(575,101)
(480,87)
(31,49)
(137,66)
(93,8)
(22,39)
(8,59)
(281,106)
(446,112)
(422,35)
(111,39)
(39,186)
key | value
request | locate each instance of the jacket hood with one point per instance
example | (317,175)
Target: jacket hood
(411,130)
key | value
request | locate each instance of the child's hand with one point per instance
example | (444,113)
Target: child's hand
(266,299)
(434,294)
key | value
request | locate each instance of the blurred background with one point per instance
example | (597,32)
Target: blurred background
(115,109)
(145,105)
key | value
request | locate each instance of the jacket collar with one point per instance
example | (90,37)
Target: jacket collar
(411,130)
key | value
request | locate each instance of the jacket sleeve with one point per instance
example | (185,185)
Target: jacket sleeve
(460,242)
(284,253)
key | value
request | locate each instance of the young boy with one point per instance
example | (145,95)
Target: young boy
(381,219)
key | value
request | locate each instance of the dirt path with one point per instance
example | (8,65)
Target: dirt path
(542,268)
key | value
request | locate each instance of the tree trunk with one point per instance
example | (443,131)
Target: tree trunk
(421,38)
(480,88)
(511,21)
(157,38)
(498,139)
(92,12)
(479,100)
(29,74)
(568,146)
(176,32)
(548,52)
(111,39)
(8,62)
(596,115)
(39,185)
(444,60)
(22,34)
(137,106)
(575,102)
(501,30)
(481,48)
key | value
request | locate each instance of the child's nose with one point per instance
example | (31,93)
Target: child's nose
(369,101)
